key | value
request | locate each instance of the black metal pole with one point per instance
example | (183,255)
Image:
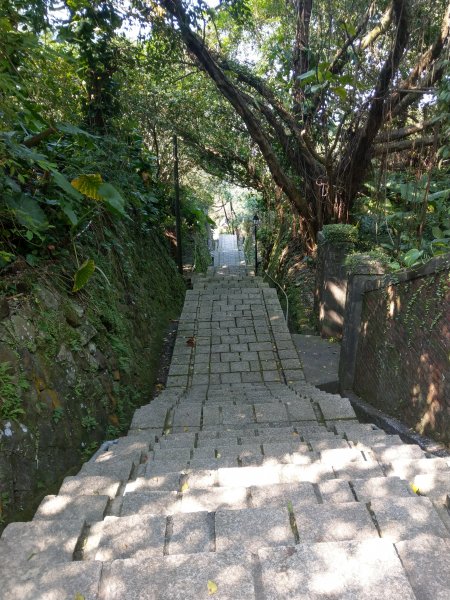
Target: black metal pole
(176,182)
(256,250)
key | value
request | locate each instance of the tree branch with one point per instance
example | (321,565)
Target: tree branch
(198,49)
(402,145)
(379,29)
(399,134)
(356,157)
(401,98)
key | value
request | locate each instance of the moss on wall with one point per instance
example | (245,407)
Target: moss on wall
(73,367)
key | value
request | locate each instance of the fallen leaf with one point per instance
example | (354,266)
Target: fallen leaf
(212,587)
(185,428)
(190,341)
(79,597)
(415,488)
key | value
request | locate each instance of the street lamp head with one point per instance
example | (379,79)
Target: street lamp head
(256,220)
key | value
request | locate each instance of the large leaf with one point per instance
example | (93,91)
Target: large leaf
(113,200)
(83,275)
(412,257)
(89,185)
(28,212)
(62,182)
(73,130)
(70,214)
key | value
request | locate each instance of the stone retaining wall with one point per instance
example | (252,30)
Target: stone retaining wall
(396,347)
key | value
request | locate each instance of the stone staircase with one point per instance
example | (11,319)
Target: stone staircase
(239,481)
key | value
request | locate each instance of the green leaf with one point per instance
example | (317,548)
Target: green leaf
(438,195)
(341,92)
(83,275)
(113,200)
(88,185)
(412,256)
(62,182)
(308,75)
(437,233)
(28,213)
(73,130)
(70,214)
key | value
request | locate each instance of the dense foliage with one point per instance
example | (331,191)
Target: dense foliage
(337,110)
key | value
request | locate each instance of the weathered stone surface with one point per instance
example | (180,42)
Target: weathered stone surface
(407,518)
(40,543)
(136,536)
(427,564)
(90,484)
(334,522)
(165,481)
(282,495)
(368,570)
(179,578)
(192,533)
(60,582)
(336,408)
(252,529)
(213,499)
(335,490)
(66,507)
(381,487)
(155,503)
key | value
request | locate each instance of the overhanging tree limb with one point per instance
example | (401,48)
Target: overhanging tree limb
(197,48)
(357,155)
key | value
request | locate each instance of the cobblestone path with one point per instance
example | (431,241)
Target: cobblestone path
(239,481)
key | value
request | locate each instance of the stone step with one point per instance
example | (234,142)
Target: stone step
(365,570)
(427,565)
(67,581)
(34,545)
(179,577)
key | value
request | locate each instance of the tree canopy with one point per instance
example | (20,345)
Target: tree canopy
(321,102)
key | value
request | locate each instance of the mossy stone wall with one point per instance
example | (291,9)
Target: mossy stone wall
(73,367)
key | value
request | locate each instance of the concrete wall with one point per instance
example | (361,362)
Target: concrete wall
(396,345)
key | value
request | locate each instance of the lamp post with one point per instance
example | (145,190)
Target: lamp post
(255,229)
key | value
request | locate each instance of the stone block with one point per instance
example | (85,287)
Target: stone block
(381,487)
(136,536)
(192,533)
(335,490)
(93,485)
(213,499)
(40,543)
(300,411)
(67,507)
(407,518)
(165,481)
(408,469)
(367,570)
(334,522)
(119,469)
(336,408)
(427,565)
(179,577)
(282,494)
(270,412)
(60,582)
(248,476)
(155,503)
(252,529)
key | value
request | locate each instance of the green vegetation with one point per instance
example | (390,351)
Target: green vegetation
(340,233)
(11,389)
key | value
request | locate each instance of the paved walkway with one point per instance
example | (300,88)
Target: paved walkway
(239,481)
